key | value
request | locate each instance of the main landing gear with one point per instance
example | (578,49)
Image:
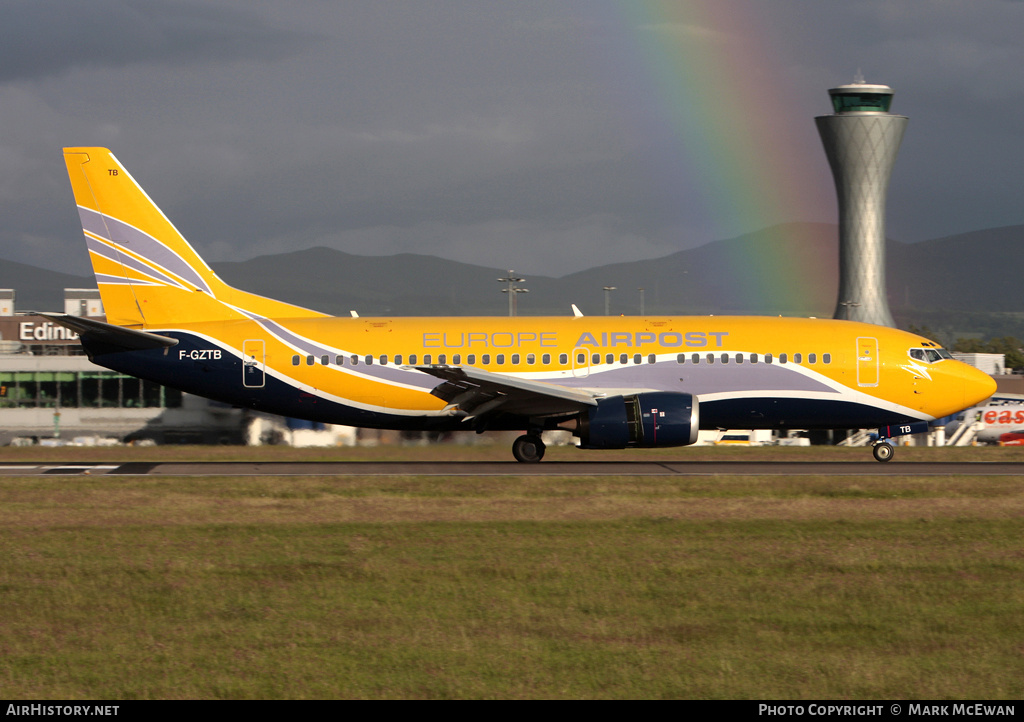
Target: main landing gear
(882,450)
(528,448)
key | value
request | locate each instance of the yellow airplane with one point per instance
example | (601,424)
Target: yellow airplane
(616,382)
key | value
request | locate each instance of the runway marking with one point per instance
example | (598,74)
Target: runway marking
(59,469)
(80,469)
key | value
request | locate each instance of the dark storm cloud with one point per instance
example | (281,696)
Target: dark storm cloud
(528,134)
(48,37)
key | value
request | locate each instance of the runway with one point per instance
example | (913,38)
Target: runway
(512,468)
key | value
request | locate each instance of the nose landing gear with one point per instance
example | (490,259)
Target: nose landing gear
(882,450)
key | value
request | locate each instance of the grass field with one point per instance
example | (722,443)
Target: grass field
(427,587)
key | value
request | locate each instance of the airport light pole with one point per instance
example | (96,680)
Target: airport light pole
(513,290)
(607,299)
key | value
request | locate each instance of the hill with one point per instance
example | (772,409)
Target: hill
(715,278)
(967,284)
(977,271)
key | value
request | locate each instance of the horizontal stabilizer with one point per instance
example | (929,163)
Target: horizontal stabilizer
(109,335)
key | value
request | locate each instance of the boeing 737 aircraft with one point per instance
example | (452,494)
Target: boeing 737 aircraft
(616,382)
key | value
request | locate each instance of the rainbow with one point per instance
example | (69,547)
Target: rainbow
(712,83)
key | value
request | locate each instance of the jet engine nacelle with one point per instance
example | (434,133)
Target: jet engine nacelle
(658,418)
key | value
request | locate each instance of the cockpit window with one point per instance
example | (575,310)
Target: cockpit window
(929,355)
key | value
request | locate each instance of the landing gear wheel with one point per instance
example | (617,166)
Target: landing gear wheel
(528,449)
(883,451)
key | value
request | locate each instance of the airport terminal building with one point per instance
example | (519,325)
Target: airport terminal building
(50,389)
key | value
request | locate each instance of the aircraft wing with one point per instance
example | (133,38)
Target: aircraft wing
(476,393)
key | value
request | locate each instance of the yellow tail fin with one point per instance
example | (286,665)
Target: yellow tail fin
(148,274)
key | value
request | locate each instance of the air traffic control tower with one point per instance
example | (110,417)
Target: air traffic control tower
(861,141)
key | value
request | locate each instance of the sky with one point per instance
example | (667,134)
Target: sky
(546,137)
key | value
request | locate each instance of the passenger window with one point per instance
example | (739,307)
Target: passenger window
(812,358)
(826,358)
(515,359)
(783,358)
(295,360)
(369,360)
(398,359)
(545,359)
(500,359)
(457,359)
(325,360)
(563,358)
(651,358)
(442,359)
(426,359)
(637,359)
(753,358)
(739,358)
(412,359)
(471,359)
(725,358)
(531,359)
(767,358)
(623,358)
(339,360)
(797,358)
(310,360)
(581,358)
(595,359)
(486,359)
(609,358)
(383,360)
(354,359)
(711,358)
(695,358)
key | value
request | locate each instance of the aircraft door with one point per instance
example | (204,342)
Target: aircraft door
(580,362)
(253,360)
(867,361)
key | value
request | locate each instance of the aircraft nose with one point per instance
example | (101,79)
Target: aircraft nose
(978,386)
